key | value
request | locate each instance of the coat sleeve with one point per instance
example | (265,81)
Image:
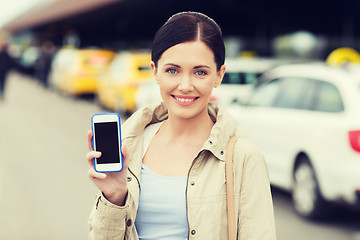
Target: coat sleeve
(107,221)
(256,215)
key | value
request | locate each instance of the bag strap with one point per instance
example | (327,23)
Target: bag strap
(230,188)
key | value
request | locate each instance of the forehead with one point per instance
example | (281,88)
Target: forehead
(195,52)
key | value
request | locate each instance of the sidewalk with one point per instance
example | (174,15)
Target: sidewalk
(45,192)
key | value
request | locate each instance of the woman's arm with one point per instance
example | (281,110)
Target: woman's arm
(108,217)
(256,216)
(107,221)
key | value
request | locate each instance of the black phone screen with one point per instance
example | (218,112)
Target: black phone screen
(107,142)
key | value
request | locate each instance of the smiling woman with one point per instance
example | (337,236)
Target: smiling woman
(186,74)
(175,152)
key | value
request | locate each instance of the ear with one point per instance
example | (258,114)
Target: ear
(220,75)
(154,69)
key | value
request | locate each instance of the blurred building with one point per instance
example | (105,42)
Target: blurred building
(132,23)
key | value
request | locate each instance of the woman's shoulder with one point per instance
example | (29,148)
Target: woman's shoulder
(244,144)
(246,152)
(144,116)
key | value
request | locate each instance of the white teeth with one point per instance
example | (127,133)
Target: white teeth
(185,99)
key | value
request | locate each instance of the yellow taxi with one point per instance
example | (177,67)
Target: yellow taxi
(118,86)
(76,71)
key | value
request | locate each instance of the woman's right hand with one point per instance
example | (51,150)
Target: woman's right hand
(113,185)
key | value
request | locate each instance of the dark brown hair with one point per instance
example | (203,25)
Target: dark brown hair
(186,27)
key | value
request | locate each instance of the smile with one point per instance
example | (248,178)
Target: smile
(185,100)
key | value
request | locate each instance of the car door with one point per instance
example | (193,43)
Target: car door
(275,118)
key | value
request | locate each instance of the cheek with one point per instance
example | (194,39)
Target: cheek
(166,85)
(209,91)
(205,88)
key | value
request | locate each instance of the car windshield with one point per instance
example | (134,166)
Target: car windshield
(119,65)
(64,59)
(265,95)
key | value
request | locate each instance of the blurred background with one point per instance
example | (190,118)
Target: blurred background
(292,83)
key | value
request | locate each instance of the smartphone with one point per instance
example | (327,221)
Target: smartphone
(107,140)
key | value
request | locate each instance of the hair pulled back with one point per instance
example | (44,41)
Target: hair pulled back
(186,27)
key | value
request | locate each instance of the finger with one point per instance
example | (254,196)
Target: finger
(125,154)
(89,138)
(124,151)
(92,174)
(91,155)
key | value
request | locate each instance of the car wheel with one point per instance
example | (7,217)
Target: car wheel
(306,195)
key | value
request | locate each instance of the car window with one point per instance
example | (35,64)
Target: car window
(328,98)
(240,78)
(265,94)
(292,94)
(144,70)
(307,99)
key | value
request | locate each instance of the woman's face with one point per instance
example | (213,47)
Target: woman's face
(187,74)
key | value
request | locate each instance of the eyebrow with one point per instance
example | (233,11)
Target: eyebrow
(172,64)
(201,66)
(196,67)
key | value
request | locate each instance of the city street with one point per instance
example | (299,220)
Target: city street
(44,189)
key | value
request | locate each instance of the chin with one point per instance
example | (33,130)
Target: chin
(187,113)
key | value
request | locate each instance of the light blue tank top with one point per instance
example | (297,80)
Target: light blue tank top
(162,204)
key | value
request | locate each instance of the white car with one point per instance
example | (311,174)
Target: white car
(305,118)
(240,77)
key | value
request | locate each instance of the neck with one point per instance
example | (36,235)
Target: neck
(189,129)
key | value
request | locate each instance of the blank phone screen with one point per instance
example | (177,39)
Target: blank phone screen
(107,142)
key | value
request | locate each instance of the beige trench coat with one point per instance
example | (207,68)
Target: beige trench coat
(206,186)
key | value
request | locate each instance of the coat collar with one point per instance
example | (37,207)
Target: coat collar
(225,127)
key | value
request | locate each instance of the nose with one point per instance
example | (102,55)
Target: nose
(185,84)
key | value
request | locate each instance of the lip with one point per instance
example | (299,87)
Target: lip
(184,100)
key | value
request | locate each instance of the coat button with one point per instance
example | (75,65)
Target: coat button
(129,179)
(222,152)
(129,222)
(192,183)
(211,143)
(193,232)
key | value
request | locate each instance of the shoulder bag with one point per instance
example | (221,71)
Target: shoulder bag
(230,202)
